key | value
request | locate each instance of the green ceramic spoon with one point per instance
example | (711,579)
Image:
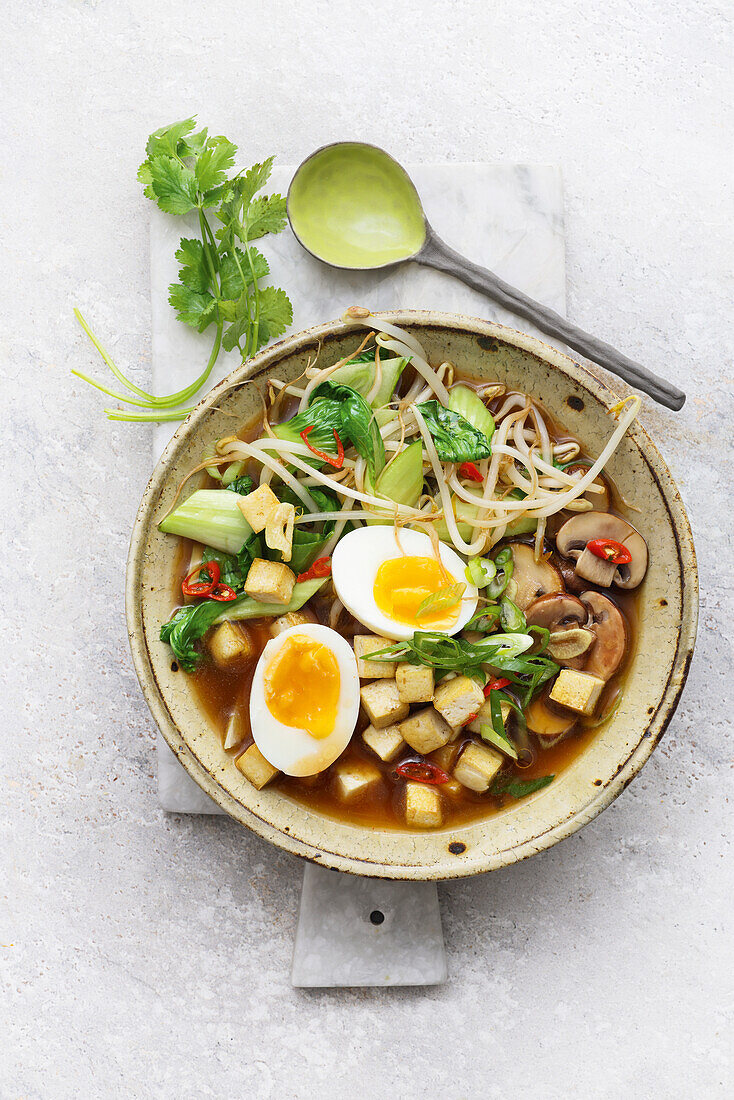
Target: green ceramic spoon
(353,206)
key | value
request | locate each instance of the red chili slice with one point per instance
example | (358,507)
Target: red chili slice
(202,588)
(495,685)
(469,470)
(320,568)
(610,550)
(422,771)
(223,593)
(337,462)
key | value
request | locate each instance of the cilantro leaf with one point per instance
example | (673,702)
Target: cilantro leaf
(264,215)
(193,273)
(212,163)
(165,142)
(174,185)
(192,307)
(231,279)
(253,180)
(276,313)
(519,788)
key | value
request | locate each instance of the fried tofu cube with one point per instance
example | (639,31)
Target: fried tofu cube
(352,780)
(578,691)
(426,730)
(484,716)
(364,644)
(270,582)
(477,766)
(458,699)
(422,806)
(231,644)
(415,683)
(385,743)
(256,768)
(383,705)
(257,506)
(445,756)
(291,618)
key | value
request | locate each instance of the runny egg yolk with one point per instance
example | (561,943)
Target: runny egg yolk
(302,685)
(402,584)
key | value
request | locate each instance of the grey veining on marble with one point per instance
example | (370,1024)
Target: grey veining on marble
(146,954)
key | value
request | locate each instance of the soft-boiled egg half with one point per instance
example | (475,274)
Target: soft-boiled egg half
(304,699)
(386,578)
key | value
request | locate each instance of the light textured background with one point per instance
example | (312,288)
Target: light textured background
(146,955)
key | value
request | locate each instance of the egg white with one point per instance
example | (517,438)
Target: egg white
(293,750)
(358,556)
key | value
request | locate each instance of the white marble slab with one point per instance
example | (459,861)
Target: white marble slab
(508,218)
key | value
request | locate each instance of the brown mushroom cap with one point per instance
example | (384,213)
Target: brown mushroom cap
(576,532)
(607,623)
(558,612)
(532,578)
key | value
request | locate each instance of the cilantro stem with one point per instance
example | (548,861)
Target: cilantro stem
(154,416)
(117,373)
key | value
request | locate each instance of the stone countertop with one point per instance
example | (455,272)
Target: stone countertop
(147,955)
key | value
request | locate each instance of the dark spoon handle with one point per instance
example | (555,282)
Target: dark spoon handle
(437,254)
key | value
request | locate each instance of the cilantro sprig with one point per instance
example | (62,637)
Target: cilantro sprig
(221,274)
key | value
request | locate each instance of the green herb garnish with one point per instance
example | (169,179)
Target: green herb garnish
(220,274)
(518,788)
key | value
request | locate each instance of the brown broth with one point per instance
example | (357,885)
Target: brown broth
(220,692)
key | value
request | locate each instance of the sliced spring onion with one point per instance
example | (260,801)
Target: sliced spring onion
(480,571)
(511,617)
(499,741)
(504,565)
(442,600)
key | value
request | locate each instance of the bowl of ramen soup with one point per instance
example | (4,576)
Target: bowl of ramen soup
(412,595)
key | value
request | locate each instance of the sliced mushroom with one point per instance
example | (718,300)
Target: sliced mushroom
(607,624)
(572,539)
(562,614)
(531,578)
(567,645)
(546,724)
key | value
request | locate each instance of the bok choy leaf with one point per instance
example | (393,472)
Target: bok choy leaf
(456,439)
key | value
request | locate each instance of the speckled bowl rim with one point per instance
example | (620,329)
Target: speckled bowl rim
(612,785)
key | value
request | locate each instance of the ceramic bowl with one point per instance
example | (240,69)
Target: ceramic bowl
(667,616)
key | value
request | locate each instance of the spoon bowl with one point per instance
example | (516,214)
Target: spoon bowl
(353,206)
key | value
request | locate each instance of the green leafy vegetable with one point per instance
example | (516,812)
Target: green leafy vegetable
(220,275)
(186,626)
(360,375)
(335,407)
(212,517)
(239,483)
(189,624)
(235,567)
(519,788)
(308,543)
(468,404)
(358,424)
(401,482)
(456,439)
